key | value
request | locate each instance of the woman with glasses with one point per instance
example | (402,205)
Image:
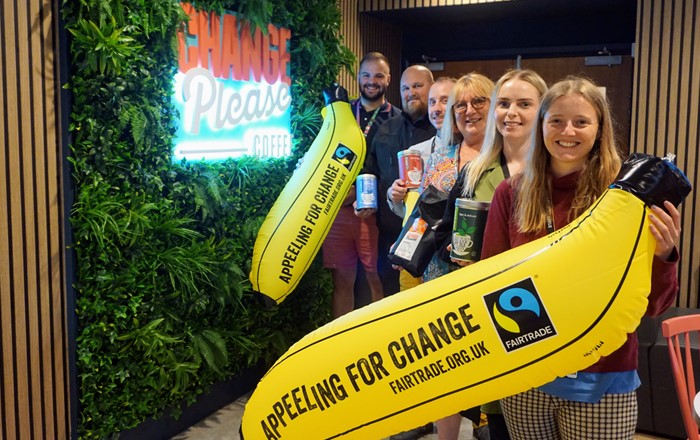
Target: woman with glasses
(463,130)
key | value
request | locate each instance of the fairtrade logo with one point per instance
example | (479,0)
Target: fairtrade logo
(518,315)
(344,156)
(513,300)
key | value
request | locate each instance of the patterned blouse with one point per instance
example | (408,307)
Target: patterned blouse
(441,168)
(441,172)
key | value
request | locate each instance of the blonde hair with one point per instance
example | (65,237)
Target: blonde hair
(493,139)
(533,202)
(474,84)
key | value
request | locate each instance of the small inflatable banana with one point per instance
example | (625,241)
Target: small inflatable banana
(497,328)
(298,222)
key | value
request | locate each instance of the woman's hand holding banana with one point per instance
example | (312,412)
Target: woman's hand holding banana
(665,228)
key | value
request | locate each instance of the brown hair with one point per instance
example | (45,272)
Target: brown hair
(533,201)
(374,56)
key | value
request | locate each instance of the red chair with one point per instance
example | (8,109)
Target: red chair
(677,332)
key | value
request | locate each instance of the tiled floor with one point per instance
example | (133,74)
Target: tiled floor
(224,424)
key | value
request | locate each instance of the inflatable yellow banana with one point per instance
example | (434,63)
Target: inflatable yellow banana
(409,201)
(497,328)
(298,222)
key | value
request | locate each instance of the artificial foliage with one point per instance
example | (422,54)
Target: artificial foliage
(163,304)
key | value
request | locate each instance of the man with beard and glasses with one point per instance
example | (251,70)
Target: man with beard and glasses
(411,127)
(352,238)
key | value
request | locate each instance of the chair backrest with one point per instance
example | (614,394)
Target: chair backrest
(678,331)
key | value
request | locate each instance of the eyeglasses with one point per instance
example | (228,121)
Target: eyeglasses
(477,104)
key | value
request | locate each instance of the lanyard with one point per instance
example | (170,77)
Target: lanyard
(458,160)
(371,120)
(550,217)
(550,224)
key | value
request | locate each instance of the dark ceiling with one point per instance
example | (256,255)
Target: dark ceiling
(531,28)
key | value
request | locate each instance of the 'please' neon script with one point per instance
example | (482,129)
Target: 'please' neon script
(232,88)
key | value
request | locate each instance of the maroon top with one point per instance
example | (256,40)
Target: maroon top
(502,234)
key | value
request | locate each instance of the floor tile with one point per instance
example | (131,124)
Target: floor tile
(224,425)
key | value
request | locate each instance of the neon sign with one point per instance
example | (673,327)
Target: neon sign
(232,89)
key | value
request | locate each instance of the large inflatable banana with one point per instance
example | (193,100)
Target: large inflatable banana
(298,222)
(500,327)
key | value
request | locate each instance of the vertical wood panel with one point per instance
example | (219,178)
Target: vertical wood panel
(387,5)
(34,382)
(362,34)
(688,157)
(32,352)
(652,113)
(45,409)
(641,75)
(666,111)
(55,381)
(17,364)
(690,276)
(349,31)
(663,98)
(7,382)
(673,119)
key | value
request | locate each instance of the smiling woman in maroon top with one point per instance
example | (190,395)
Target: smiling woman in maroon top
(573,159)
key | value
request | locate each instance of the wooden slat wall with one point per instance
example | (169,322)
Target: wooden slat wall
(350,33)
(666,111)
(386,5)
(33,348)
(362,34)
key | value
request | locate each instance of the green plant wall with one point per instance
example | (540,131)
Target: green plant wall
(163,303)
